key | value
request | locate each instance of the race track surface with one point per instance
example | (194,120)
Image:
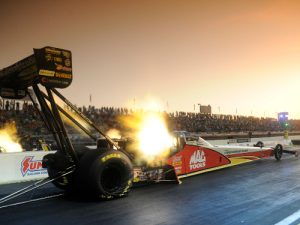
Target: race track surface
(261,192)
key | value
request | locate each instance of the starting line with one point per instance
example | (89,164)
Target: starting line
(290,219)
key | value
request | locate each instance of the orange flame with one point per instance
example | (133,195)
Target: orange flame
(150,132)
(9,140)
(113,133)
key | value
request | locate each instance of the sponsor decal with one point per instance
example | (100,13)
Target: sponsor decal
(177,160)
(58,59)
(54,64)
(235,151)
(177,163)
(47,73)
(63,75)
(68,62)
(114,155)
(30,167)
(53,51)
(66,54)
(197,160)
(63,68)
(48,57)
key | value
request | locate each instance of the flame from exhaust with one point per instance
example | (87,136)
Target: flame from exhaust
(149,131)
(9,140)
(114,133)
(154,138)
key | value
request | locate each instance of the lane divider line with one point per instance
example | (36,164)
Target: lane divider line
(290,219)
(33,200)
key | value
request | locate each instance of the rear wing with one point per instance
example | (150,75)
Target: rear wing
(49,66)
(52,68)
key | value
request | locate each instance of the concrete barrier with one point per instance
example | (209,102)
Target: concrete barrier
(22,166)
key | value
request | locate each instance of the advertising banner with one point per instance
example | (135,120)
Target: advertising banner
(23,166)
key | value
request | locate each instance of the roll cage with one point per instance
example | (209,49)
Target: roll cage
(190,138)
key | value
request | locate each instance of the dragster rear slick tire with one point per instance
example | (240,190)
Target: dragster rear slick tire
(104,174)
(101,174)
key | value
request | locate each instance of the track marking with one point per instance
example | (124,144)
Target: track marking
(33,200)
(290,219)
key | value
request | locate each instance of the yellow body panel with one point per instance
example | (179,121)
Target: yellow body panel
(234,161)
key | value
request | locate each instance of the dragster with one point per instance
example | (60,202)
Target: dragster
(111,169)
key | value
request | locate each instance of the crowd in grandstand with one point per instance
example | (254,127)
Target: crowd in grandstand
(196,122)
(28,120)
(107,117)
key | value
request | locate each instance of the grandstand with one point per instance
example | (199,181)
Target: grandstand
(28,121)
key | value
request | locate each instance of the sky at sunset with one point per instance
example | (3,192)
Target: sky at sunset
(238,56)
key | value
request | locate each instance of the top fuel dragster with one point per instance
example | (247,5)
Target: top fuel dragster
(112,168)
(191,155)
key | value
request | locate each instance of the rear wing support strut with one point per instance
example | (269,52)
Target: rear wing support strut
(53,121)
(72,119)
(73,107)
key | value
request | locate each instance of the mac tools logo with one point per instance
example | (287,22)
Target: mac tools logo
(197,160)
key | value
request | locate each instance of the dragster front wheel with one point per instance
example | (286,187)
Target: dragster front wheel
(278,151)
(105,174)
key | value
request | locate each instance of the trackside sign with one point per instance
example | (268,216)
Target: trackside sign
(22,166)
(32,167)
